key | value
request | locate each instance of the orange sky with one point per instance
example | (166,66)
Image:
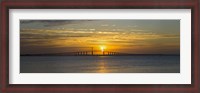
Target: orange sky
(125,36)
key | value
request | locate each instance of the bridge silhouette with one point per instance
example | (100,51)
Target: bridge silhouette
(83,53)
(77,51)
(92,52)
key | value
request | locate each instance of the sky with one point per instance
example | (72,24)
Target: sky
(124,36)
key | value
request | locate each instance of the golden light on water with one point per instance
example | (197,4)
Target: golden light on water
(102,67)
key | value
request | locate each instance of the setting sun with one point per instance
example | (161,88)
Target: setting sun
(102,48)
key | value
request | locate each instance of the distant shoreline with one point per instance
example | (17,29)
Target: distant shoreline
(102,55)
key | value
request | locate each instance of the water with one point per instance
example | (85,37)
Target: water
(100,64)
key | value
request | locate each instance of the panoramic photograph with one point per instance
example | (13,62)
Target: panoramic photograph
(100,46)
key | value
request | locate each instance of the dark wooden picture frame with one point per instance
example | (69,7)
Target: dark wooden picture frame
(99,88)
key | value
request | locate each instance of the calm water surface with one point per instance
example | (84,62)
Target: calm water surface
(100,64)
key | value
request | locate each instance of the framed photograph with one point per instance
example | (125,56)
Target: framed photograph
(100,46)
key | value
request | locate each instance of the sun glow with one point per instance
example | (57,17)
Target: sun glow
(102,47)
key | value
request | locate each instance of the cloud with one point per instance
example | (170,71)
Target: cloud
(48,23)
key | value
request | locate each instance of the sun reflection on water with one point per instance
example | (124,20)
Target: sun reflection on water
(102,67)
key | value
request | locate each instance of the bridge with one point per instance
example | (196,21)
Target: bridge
(105,53)
(91,52)
(88,51)
(77,51)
